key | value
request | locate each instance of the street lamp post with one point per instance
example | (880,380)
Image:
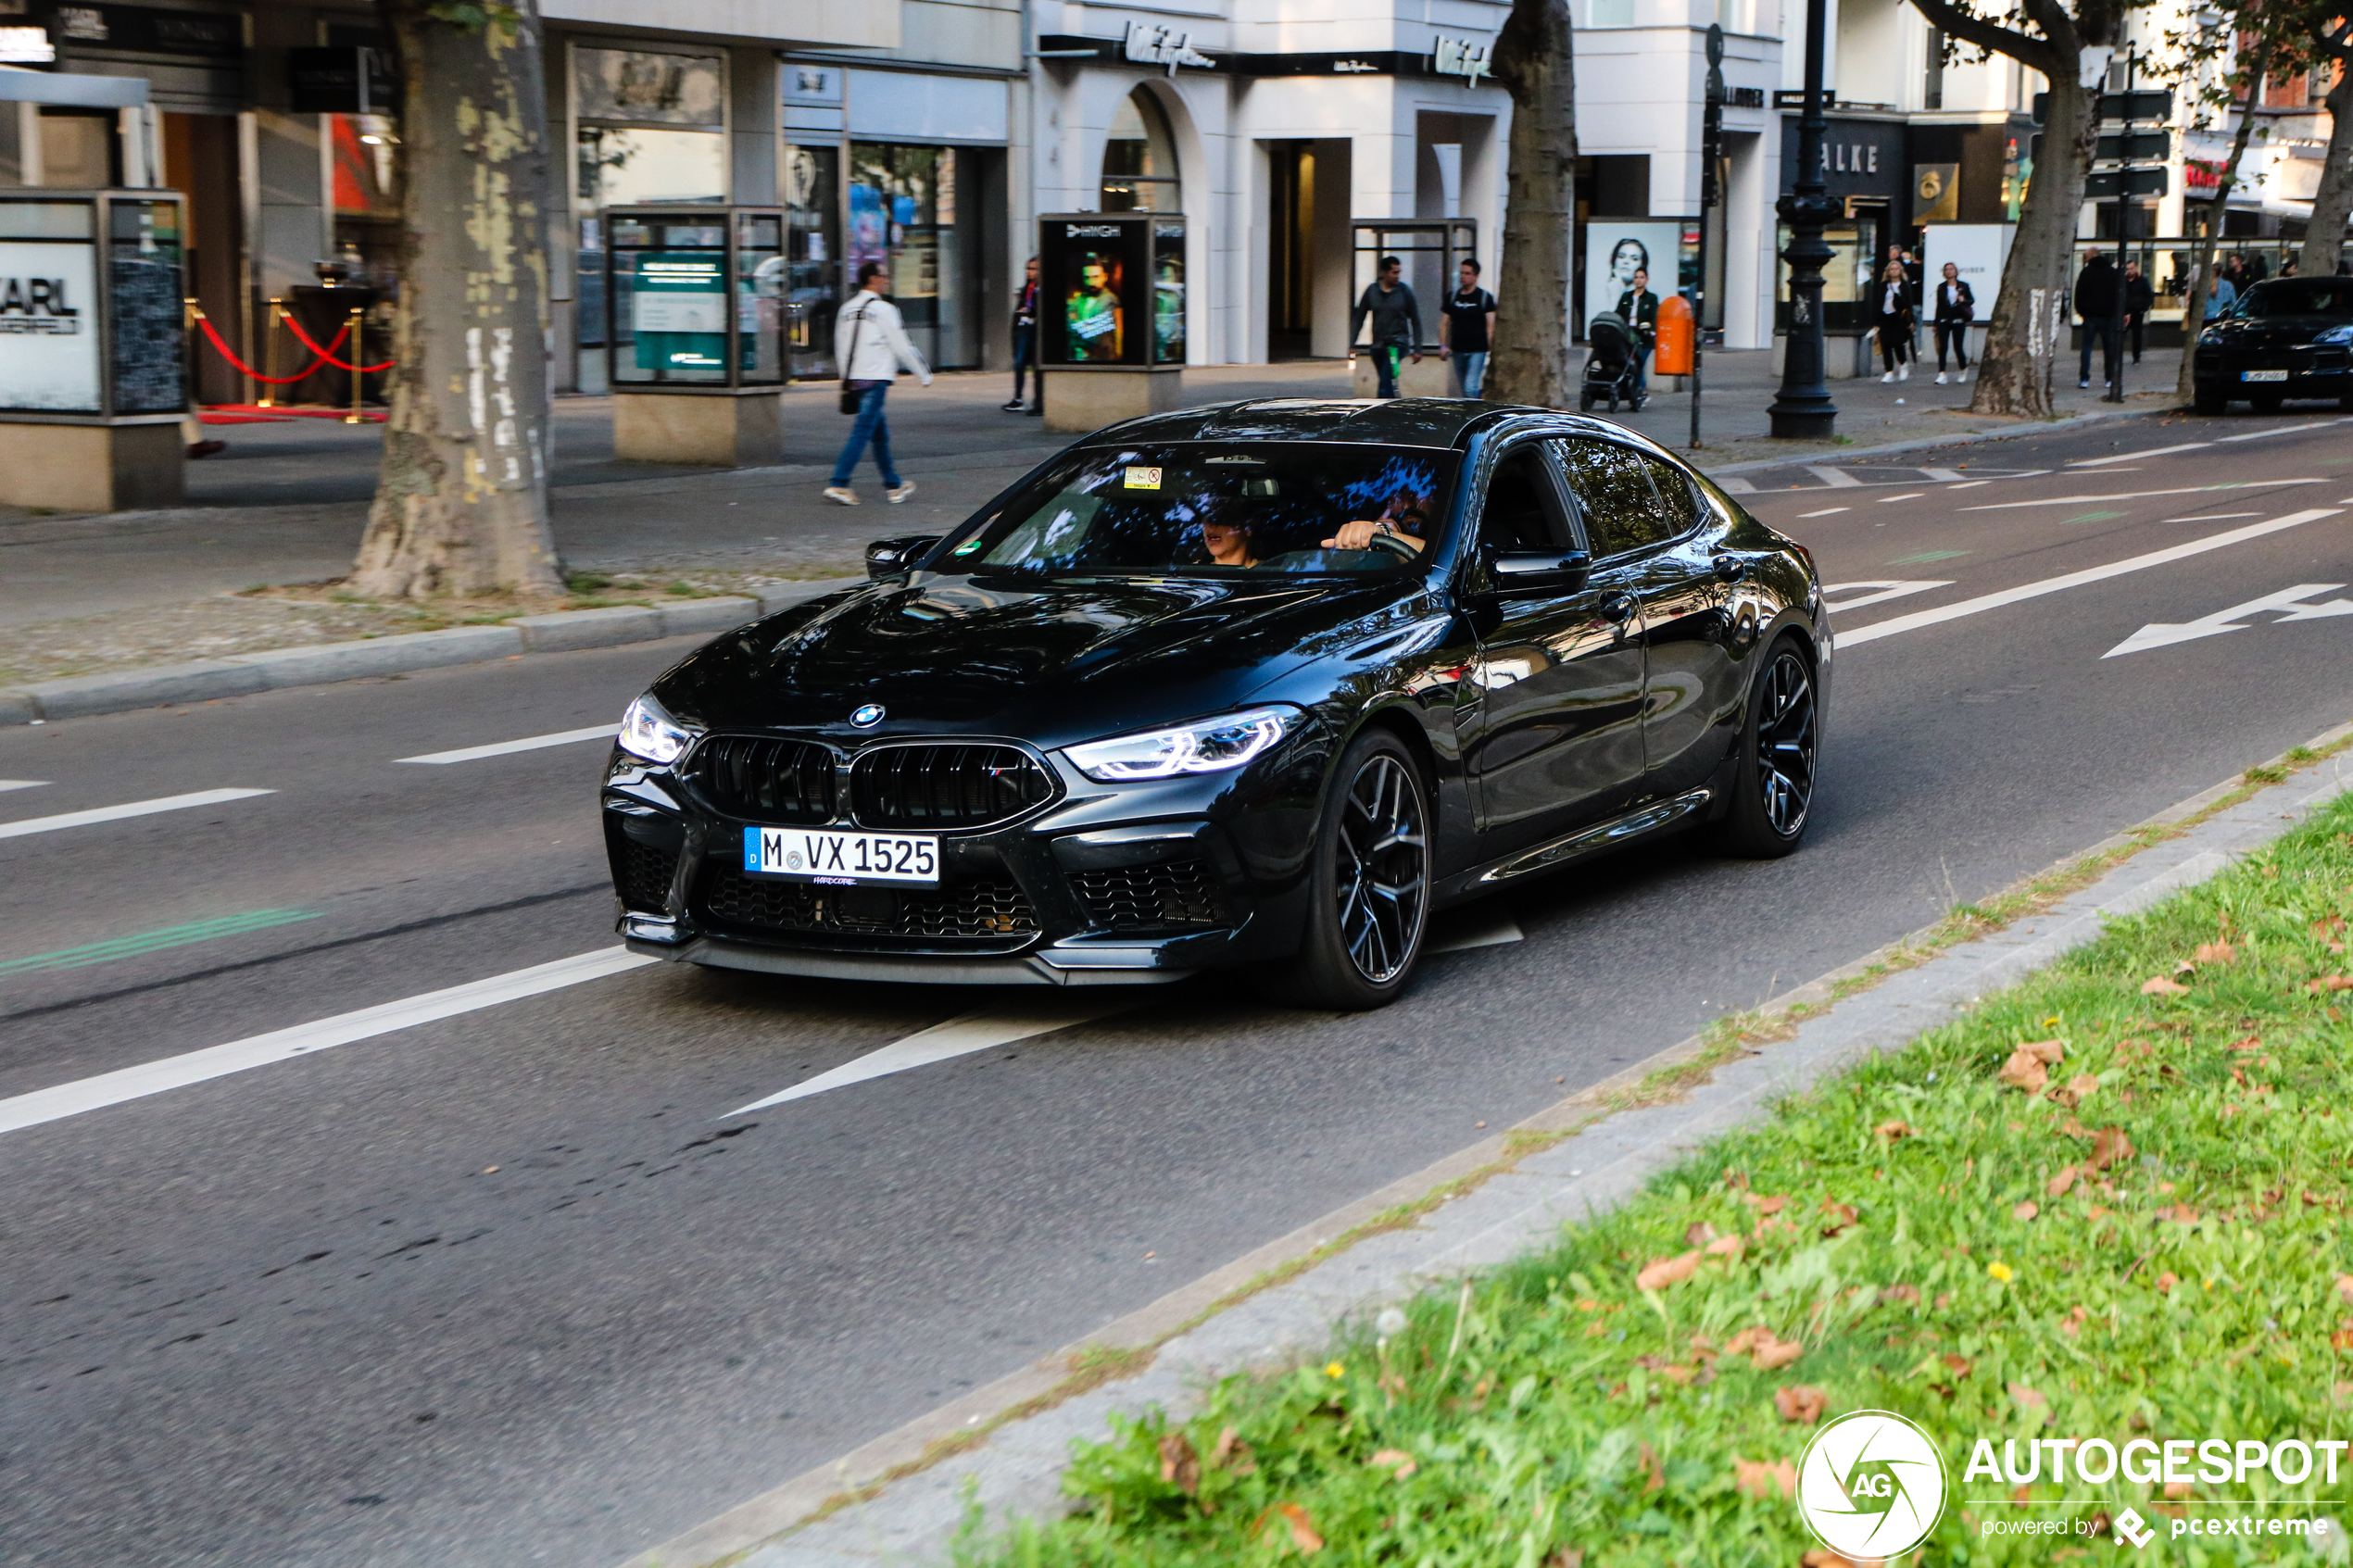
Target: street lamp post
(1803,411)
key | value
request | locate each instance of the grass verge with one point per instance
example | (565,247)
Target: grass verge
(2109,1201)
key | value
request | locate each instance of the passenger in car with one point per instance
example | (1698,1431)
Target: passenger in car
(1226,538)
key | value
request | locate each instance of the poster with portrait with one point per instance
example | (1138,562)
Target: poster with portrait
(1100,289)
(1616,248)
(1168,290)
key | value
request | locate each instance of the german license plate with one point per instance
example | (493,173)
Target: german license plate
(842,859)
(2262,375)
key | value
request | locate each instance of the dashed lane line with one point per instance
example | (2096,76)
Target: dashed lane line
(130,809)
(506,747)
(305,1039)
(1907,496)
(7,784)
(2130,456)
(2282,430)
(1835,479)
(1941,613)
(2140,494)
(1825,512)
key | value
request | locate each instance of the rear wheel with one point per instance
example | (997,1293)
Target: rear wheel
(1773,781)
(1369,903)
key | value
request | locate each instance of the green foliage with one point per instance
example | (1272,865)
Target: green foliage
(1922,1234)
(471,15)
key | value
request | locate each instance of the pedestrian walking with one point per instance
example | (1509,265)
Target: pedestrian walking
(1465,328)
(870,345)
(1397,323)
(1896,323)
(2222,300)
(1956,308)
(1638,307)
(2095,300)
(2140,298)
(1026,346)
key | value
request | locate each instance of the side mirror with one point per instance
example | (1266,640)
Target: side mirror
(1522,573)
(890,558)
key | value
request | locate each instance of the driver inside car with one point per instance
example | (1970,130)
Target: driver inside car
(1398,530)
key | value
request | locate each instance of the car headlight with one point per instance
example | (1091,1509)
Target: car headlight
(2210,338)
(648,731)
(1210,746)
(2336,337)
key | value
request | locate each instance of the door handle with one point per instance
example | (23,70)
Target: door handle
(1618,607)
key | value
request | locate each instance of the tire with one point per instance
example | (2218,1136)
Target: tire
(2267,402)
(2346,403)
(1368,905)
(1774,775)
(1584,402)
(2210,400)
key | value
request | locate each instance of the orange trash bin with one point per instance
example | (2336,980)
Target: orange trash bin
(1672,356)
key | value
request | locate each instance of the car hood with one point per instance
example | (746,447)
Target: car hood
(2273,331)
(1049,663)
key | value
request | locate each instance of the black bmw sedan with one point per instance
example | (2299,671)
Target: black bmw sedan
(2288,337)
(1260,685)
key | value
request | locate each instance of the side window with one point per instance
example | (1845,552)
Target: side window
(1621,511)
(1521,508)
(1678,505)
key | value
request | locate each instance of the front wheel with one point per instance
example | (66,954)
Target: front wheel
(1773,779)
(1369,892)
(2267,402)
(2210,400)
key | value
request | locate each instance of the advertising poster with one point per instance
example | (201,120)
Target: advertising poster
(49,326)
(1616,248)
(1094,319)
(1168,293)
(1100,289)
(678,311)
(1978,249)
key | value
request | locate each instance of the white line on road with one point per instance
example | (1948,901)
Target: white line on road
(131,809)
(1943,476)
(7,785)
(1825,512)
(1907,496)
(1733,484)
(1918,618)
(2282,430)
(530,743)
(1971,484)
(2213,517)
(1887,588)
(2129,456)
(304,1039)
(1485,927)
(2137,494)
(999,1025)
(1837,479)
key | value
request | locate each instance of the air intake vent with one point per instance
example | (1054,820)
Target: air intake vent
(975,909)
(1180,896)
(940,787)
(642,875)
(774,781)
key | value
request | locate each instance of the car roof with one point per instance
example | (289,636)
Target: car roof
(1396,421)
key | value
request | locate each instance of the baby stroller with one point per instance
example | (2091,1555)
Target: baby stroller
(1609,364)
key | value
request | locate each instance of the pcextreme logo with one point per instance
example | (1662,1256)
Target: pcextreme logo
(1872,1484)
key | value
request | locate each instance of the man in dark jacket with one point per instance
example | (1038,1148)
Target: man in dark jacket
(1956,308)
(2139,300)
(1638,307)
(1397,323)
(2096,299)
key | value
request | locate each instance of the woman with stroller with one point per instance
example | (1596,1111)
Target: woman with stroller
(1896,323)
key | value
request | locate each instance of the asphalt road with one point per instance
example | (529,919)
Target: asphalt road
(513,1286)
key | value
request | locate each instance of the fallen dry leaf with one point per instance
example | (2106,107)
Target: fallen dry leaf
(2025,1210)
(2252,1043)
(1800,1403)
(1397,1461)
(1840,1215)
(2050,1051)
(1179,1466)
(1759,1478)
(1660,1272)
(1699,1233)
(2166,1281)
(1765,1204)
(1653,1472)
(1962,1366)
(2083,1087)
(2328,983)
(2215,952)
(2158,985)
(1232,1453)
(2029,1398)
(2182,1212)
(2109,1145)
(1891,1131)
(2345,1287)
(2024,1070)
(2177,1488)
(1302,1528)
(1724,1246)
(1907,1294)
(2057,1185)
(1771,1354)
(1823,1557)
(1567,1557)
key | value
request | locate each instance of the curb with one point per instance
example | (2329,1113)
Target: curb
(906,1511)
(205,680)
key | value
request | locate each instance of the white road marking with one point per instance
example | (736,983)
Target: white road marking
(2129,456)
(1971,484)
(1907,496)
(1887,588)
(7,785)
(1825,512)
(1479,928)
(1943,476)
(2213,517)
(998,1026)
(1837,479)
(530,743)
(2284,429)
(305,1039)
(1736,485)
(1919,619)
(2137,494)
(2160,634)
(130,808)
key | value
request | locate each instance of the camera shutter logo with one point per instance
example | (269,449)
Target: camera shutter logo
(1872,1484)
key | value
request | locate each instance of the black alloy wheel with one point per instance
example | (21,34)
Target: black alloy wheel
(1370,904)
(1773,785)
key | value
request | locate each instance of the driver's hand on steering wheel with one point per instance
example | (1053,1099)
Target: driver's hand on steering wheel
(1366,533)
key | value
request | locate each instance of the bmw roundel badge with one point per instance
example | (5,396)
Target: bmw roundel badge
(867,717)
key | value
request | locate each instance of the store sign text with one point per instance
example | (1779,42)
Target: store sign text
(37,305)
(1855,157)
(1459,57)
(1159,46)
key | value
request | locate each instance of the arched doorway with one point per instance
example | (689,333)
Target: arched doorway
(1140,158)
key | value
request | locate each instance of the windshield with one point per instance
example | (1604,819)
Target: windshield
(1251,508)
(2299,296)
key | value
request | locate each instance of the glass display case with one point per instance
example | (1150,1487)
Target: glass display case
(92,320)
(695,297)
(1429,249)
(1112,289)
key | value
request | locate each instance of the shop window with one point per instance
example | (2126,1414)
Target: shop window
(653,127)
(813,248)
(904,211)
(1139,159)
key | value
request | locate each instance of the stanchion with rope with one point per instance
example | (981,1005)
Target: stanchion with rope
(270,352)
(352,327)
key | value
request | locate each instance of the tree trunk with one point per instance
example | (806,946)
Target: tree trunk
(2202,286)
(1534,62)
(461,502)
(2332,203)
(2025,335)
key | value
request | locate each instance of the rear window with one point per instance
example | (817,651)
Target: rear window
(2301,296)
(1251,509)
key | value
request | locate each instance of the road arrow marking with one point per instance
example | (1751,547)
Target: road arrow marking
(1877,590)
(2161,634)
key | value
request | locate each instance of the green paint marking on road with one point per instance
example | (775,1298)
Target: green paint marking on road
(2092,516)
(1924,558)
(115,947)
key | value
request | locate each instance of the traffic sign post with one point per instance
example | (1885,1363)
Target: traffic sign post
(2127,147)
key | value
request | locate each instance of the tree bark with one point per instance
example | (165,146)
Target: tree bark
(1535,63)
(2333,202)
(2210,243)
(461,501)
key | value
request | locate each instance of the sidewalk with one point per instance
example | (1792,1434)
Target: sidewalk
(286,504)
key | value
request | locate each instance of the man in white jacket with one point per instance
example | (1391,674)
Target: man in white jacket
(870,345)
